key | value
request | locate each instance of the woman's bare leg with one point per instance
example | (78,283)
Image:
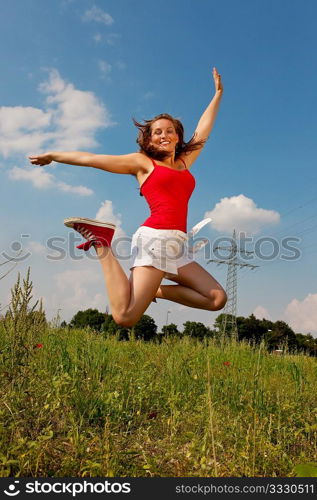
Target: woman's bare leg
(117,283)
(183,295)
(128,298)
(196,288)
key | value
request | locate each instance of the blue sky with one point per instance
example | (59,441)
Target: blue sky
(74,73)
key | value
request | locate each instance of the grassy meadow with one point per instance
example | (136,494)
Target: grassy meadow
(78,403)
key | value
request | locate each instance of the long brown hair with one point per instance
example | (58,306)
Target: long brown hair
(182,147)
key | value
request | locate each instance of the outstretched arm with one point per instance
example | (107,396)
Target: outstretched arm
(120,164)
(207,119)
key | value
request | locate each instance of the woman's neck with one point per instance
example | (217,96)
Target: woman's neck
(170,160)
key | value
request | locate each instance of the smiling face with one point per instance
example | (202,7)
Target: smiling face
(164,136)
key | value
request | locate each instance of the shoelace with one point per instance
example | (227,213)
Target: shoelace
(85,232)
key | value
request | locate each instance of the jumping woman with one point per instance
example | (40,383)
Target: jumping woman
(162,169)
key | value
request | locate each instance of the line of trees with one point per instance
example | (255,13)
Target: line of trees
(22,319)
(277,335)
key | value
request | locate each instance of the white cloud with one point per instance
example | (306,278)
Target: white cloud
(37,176)
(261,313)
(35,247)
(78,290)
(105,68)
(78,114)
(69,120)
(55,84)
(19,117)
(106,214)
(240,213)
(82,190)
(121,244)
(23,128)
(97,37)
(98,15)
(42,179)
(302,315)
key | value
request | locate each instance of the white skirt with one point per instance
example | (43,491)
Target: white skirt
(164,249)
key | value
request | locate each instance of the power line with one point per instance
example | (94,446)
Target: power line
(288,212)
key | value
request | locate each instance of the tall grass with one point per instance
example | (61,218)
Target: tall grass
(78,404)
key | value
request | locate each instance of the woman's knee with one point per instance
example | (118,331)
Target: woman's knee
(125,320)
(219,300)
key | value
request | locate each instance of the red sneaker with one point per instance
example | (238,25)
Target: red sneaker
(96,232)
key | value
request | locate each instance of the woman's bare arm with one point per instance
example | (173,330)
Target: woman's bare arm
(120,164)
(207,119)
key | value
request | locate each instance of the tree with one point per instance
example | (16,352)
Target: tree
(90,317)
(281,335)
(277,335)
(196,330)
(170,331)
(110,327)
(218,324)
(307,343)
(145,328)
(250,328)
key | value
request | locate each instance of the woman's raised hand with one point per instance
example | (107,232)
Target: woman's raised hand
(42,160)
(217,80)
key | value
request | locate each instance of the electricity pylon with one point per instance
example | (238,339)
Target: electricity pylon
(229,320)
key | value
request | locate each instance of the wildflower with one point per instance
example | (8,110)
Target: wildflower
(153,414)
(226,363)
(38,346)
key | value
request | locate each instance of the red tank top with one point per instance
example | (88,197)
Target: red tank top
(167,192)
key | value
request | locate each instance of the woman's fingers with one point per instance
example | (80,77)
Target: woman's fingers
(215,73)
(217,79)
(33,159)
(39,160)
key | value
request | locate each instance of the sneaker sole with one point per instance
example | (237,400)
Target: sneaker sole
(70,221)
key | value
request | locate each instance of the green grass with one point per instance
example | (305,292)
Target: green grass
(83,405)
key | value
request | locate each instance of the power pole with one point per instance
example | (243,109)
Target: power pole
(229,320)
